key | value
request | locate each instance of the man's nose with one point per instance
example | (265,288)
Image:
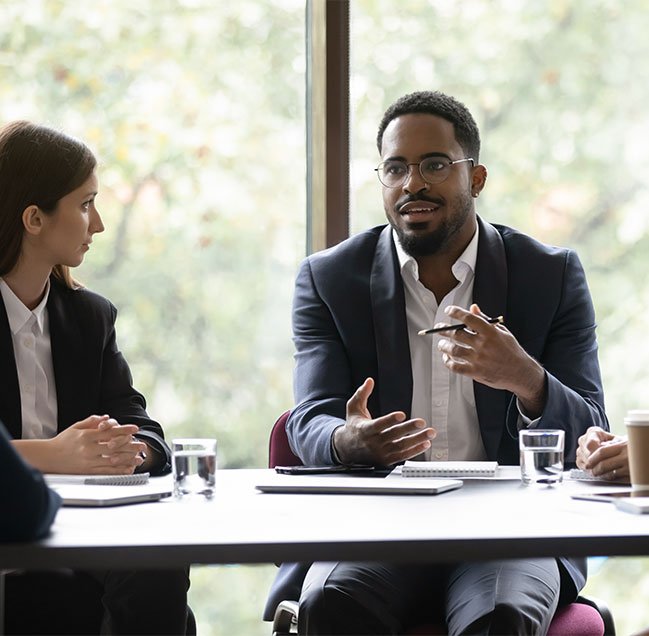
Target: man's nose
(414,181)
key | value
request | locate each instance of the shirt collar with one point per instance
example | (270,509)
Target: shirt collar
(17,313)
(463,265)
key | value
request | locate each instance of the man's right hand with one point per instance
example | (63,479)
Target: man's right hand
(382,441)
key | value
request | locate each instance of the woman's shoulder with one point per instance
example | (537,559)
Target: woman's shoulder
(83,299)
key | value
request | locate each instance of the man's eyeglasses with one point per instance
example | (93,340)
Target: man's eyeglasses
(394,173)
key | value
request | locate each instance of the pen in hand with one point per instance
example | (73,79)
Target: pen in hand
(424,332)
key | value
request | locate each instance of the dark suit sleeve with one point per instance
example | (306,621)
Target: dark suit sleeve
(27,505)
(575,398)
(322,378)
(120,399)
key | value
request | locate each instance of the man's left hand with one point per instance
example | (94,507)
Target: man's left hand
(490,354)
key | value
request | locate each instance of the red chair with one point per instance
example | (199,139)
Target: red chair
(584,617)
(279,451)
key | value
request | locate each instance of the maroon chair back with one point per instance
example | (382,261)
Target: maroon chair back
(279,451)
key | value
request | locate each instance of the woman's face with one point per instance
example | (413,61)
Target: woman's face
(67,233)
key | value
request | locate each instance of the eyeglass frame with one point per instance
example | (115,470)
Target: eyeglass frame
(418,164)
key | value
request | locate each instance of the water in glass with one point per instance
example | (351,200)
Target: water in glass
(541,455)
(194,468)
(541,466)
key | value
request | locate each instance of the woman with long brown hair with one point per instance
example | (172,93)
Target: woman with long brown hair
(66,395)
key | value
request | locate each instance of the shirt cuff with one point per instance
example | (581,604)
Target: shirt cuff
(524,421)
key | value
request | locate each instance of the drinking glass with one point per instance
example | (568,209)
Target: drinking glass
(541,452)
(193,467)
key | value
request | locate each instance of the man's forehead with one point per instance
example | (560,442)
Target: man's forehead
(420,133)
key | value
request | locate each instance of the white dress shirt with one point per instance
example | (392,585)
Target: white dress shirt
(444,400)
(30,333)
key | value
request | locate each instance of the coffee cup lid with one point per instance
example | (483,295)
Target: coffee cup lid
(638,416)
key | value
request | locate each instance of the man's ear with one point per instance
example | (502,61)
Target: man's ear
(33,219)
(478,179)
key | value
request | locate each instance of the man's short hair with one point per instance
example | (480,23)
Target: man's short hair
(436,103)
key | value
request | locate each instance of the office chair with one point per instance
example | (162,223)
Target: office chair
(585,617)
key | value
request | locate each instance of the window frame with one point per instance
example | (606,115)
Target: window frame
(327,123)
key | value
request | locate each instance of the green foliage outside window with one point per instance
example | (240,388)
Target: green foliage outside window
(196,110)
(559,91)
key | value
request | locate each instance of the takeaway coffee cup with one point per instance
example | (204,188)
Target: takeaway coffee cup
(637,428)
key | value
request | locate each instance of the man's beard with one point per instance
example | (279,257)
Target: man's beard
(435,241)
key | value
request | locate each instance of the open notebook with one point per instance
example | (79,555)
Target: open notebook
(351,485)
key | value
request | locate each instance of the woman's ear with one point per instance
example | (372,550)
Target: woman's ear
(33,219)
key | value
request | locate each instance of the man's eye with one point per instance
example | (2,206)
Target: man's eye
(394,169)
(434,166)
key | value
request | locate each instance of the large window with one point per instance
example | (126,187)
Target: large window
(559,90)
(196,111)
(560,95)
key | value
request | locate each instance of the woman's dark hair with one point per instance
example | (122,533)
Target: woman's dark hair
(38,166)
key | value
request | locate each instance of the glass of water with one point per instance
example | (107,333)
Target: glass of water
(193,466)
(541,453)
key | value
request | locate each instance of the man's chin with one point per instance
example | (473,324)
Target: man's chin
(420,226)
(416,240)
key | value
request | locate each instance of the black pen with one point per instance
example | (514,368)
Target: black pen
(425,332)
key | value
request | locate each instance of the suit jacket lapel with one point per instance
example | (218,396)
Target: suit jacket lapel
(67,355)
(10,408)
(490,284)
(490,293)
(394,381)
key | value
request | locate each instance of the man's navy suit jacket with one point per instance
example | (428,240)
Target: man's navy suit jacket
(349,323)
(91,375)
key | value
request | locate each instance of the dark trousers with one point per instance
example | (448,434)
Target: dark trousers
(495,597)
(97,602)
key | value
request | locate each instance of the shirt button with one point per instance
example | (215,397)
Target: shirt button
(438,402)
(28,342)
(439,455)
(29,388)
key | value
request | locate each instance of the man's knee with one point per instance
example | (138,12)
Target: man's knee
(509,618)
(312,601)
(323,606)
(514,618)
(348,599)
(510,597)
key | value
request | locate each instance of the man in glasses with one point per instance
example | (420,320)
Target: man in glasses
(370,390)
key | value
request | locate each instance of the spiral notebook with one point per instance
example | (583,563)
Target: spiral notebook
(138,479)
(449,469)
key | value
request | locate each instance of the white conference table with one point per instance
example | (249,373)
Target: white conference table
(485,519)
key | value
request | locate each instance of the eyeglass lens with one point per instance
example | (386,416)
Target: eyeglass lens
(395,173)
